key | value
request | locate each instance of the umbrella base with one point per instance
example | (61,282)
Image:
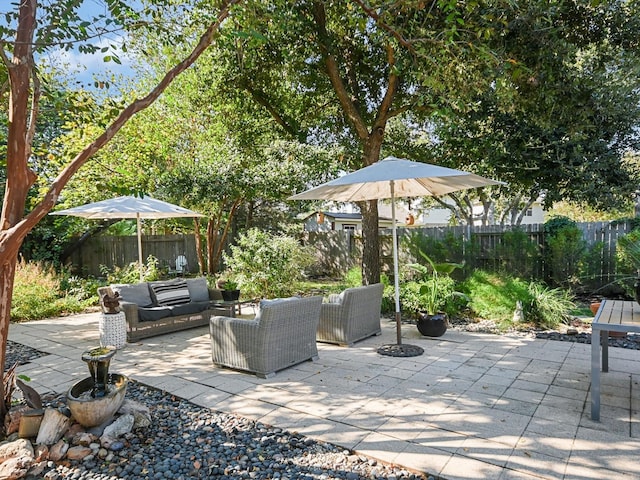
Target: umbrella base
(396,350)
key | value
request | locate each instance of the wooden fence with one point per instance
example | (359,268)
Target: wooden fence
(478,246)
(122,250)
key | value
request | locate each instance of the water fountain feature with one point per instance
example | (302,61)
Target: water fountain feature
(95,399)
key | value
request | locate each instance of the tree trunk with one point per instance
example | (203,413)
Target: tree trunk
(370,242)
(198,240)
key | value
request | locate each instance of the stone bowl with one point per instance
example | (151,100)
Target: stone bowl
(89,411)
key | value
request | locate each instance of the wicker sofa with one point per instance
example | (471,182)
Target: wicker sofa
(154,308)
(350,316)
(281,335)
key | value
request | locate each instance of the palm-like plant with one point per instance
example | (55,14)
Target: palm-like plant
(433,299)
(629,249)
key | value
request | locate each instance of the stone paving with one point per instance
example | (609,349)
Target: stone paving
(474,406)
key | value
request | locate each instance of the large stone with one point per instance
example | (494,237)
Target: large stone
(122,425)
(37,469)
(41,453)
(140,412)
(54,425)
(78,452)
(84,439)
(15,468)
(19,448)
(12,420)
(58,451)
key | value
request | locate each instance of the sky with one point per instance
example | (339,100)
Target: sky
(83,67)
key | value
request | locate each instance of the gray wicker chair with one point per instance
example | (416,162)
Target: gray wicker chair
(351,316)
(282,334)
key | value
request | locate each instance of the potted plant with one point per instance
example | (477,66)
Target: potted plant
(432,321)
(230,290)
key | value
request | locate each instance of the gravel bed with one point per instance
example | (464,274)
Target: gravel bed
(579,333)
(186,441)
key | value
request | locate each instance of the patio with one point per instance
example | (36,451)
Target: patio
(474,406)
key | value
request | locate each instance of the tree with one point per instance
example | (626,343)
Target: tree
(213,153)
(575,115)
(330,73)
(25,92)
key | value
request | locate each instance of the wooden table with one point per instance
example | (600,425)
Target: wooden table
(612,316)
(231,305)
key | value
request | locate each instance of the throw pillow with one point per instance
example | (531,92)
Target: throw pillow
(198,289)
(137,293)
(171,293)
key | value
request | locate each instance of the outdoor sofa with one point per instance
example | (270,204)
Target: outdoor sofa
(351,315)
(154,308)
(282,334)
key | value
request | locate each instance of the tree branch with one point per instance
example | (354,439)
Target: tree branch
(352,113)
(51,196)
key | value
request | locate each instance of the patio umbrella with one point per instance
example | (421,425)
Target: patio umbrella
(130,207)
(391,178)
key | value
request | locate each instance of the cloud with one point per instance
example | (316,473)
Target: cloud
(84,66)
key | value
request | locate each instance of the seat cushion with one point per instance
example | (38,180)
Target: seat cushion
(137,293)
(198,289)
(170,293)
(188,308)
(150,314)
(276,301)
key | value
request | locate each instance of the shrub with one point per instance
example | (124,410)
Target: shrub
(548,306)
(517,253)
(565,250)
(353,277)
(268,265)
(494,296)
(131,273)
(37,294)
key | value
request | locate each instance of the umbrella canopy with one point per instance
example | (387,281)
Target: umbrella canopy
(130,207)
(410,179)
(390,178)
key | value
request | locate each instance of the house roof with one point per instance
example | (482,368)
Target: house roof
(343,216)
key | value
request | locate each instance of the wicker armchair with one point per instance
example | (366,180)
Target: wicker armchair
(351,316)
(282,334)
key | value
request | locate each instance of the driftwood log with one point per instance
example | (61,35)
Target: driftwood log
(110,301)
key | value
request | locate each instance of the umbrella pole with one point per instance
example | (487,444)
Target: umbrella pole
(139,230)
(396,281)
(397,349)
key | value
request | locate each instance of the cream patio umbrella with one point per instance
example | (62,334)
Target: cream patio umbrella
(130,207)
(391,178)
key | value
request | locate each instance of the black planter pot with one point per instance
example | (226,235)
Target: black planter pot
(432,325)
(230,295)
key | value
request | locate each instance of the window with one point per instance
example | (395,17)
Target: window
(529,212)
(349,227)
